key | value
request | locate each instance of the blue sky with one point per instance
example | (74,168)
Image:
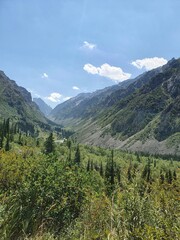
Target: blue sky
(59,48)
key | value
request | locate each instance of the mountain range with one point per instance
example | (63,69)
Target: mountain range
(141,114)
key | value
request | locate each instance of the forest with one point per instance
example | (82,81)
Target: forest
(54,188)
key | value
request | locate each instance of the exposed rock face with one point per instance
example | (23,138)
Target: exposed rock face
(16,103)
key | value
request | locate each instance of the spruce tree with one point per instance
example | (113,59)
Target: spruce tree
(49,144)
(118,173)
(112,168)
(92,165)
(129,175)
(88,166)
(162,178)
(77,158)
(101,170)
(7,146)
(170,177)
(174,175)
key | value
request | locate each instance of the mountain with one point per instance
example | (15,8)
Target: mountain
(84,105)
(16,103)
(44,108)
(142,115)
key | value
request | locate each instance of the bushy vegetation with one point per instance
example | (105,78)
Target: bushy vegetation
(62,190)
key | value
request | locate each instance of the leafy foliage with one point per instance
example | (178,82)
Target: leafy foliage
(106,195)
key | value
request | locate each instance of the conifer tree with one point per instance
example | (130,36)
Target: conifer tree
(49,144)
(37,142)
(129,175)
(110,171)
(162,177)
(92,165)
(118,173)
(88,165)
(1,142)
(101,170)
(7,146)
(77,158)
(170,177)
(112,168)
(69,143)
(69,157)
(174,175)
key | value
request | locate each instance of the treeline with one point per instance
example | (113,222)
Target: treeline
(18,132)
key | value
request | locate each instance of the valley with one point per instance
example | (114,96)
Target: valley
(101,165)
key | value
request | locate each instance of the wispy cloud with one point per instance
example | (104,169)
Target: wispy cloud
(44,75)
(75,88)
(54,97)
(89,46)
(149,63)
(114,73)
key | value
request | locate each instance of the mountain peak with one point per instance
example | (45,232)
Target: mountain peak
(44,108)
(16,102)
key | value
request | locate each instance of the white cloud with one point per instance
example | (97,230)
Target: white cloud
(88,45)
(66,98)
(114,73)
(54,97)
(90,68)
(149,63)
(57,97)
(75,88)
(44,75)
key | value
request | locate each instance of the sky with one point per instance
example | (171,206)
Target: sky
(57,49)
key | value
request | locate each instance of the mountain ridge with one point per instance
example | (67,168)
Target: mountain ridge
(143,113)
(16,103)
(44,108)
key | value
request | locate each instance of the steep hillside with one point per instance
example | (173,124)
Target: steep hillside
(84,105)
(16,103)
(44,108)
(143,116)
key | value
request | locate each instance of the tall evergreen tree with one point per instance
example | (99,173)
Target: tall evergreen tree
(77,158)
(118,173)
(174,175)
(112,168)
(110,173)
(92,165)
(88,165)
(49,144)
(7,146)
(129,174)
(101,170)
(170,177)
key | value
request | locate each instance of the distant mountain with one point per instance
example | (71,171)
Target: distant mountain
(142,114)
(84,105)
(44,108)
(16,103)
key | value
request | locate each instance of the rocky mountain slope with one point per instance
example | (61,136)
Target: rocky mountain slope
(143,115)
(16,103)
(44,108)
(84,105)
